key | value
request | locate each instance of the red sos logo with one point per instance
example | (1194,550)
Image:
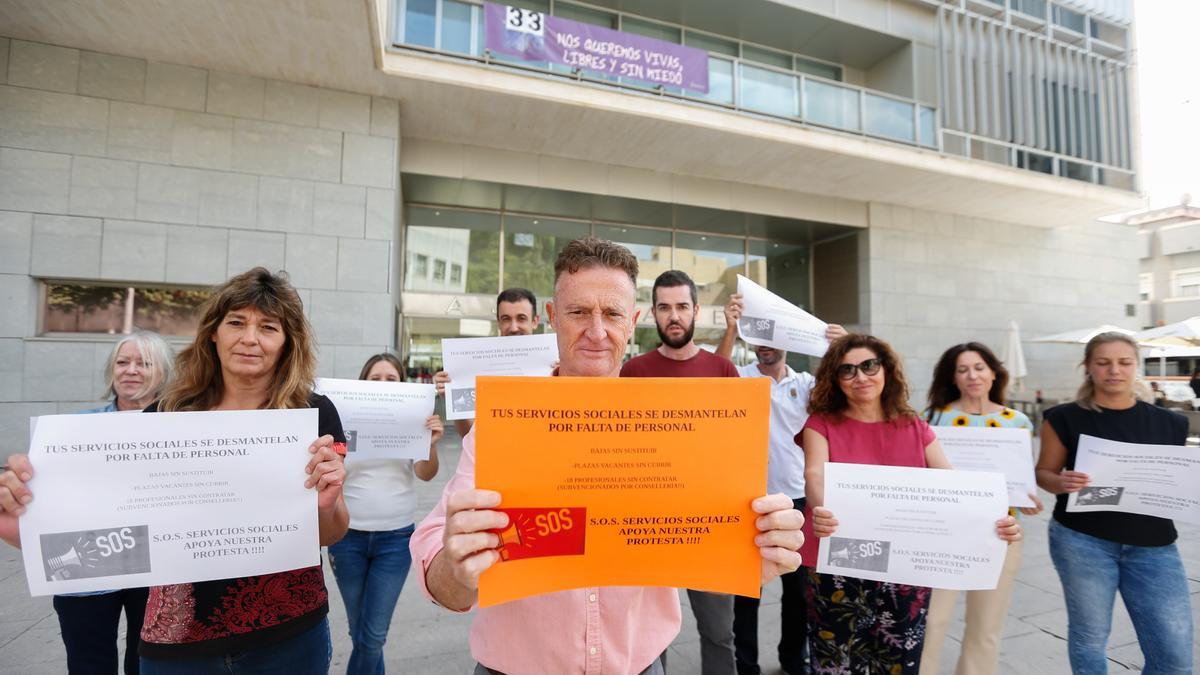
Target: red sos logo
(553,522)
(541,532)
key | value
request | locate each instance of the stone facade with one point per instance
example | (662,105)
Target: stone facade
(936,280)
(116,169)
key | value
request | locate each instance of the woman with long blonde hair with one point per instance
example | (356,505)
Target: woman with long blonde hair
(1099,553)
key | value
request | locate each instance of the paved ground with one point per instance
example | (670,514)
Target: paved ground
(425,639)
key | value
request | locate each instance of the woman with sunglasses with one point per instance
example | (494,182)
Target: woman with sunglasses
(968,391)
(858,413)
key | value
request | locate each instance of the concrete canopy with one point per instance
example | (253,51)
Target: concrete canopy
(339,44)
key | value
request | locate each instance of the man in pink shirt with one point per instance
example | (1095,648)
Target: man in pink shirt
(622,630)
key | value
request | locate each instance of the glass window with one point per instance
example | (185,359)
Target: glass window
(456,27)
(720,82)
(420,26)
(452,192)
(928,124)
(1186,283)
(542,6)
(550,202)
(825,70)
(651,29)
(636,211)
(1035,162)
(703,219)
(594,17)
(466,238)
(784,270)
(1077,171)
(1145,286)
(439,271)
(1069,19)
(830,105)
(530,247)
(119,310)
(888,117)
(455,273)
(711,44)
(768,91)
(1034,8)
(767,56)
(652,248)
(713,262)
(420,264)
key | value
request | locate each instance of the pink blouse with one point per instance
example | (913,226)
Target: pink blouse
(900,442)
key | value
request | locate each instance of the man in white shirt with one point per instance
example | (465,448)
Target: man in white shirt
(785,473)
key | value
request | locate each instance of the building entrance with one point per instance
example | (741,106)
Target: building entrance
(465,241)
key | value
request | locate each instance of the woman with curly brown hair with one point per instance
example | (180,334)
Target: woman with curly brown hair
(859,413)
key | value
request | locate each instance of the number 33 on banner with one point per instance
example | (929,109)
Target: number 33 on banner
(524,21)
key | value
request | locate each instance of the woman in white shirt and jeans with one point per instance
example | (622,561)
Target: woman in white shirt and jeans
(371,562)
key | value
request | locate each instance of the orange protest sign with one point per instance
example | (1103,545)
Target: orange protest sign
(622,482)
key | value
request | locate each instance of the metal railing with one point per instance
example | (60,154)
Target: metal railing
(735,83)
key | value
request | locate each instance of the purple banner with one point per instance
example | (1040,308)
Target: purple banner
(534,36)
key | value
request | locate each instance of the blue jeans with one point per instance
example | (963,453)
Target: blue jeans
(370,568)
(308,653)
(1153,586)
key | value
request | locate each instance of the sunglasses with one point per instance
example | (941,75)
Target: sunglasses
(847,371)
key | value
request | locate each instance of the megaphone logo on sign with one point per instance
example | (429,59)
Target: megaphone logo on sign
(542,532)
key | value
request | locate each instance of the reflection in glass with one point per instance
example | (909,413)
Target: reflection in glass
(769,57)
(550,202)
(830,105)
(720,82)
(651,247)
(710,43)
(711,261)
(469,239)
(77,308)
(530,247)
(701,219)
(456,26)
(419,23)
(928,127)
(768,91)
(888,117)
(782,269)
(825,70)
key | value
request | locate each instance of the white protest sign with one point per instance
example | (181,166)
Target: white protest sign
(925,527)
(124,501)
(1153,480)
(770,321)
(1002,450)
(465,358)
(382,419)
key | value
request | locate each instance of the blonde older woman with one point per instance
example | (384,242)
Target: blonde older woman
(253,350)
(137,371)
